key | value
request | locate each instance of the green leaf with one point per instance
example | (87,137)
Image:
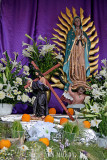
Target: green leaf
(9,65)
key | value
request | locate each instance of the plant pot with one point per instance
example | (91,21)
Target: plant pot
(5,109)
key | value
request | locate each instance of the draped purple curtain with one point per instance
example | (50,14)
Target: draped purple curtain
(36,17)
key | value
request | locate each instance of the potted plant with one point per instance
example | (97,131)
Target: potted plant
(12,83)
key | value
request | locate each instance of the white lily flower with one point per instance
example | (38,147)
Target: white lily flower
(3,60)
(14,64)
(103,72)
(46,48)
(83,156)
(4,53)
(26,68)
(96,93)
(106,76)
(100,89)
(41,38)
(95,108)
(95,122)
(25,53)
(1,67)
(24,44)
(8,87)
(104,61)
(44,132)
(23,148)
(19,80)
(59,56)
(41,129)
(105,84)
(42,52)
(87,99)
(30,49)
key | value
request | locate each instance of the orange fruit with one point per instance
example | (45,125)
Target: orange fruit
(63,120)
(45,141)
(71,111)
(49,118)
(26,117)
(87,124)
(52,111)
(5,143)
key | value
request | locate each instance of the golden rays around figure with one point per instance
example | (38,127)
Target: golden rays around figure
(64,25)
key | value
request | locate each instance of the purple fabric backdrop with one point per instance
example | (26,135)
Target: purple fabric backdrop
(36,17)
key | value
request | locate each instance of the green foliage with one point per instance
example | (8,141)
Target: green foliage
(70,131)
(5,130)
(103,125)
(17,130)
(71,128)
(8,131)
(68,127)
(9,65)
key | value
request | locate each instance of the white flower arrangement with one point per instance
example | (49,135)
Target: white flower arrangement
(41,52)
(11,81)
(96,103)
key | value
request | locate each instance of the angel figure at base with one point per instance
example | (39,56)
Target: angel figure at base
(76,64)
(40,105)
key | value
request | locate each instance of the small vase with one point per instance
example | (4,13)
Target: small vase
(5,109)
